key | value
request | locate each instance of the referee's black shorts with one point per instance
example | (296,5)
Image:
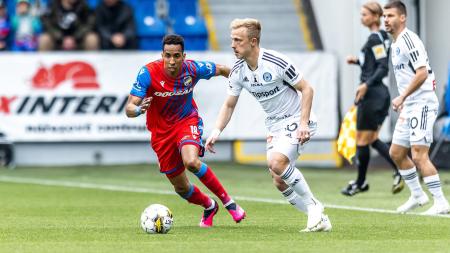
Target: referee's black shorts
(373,108)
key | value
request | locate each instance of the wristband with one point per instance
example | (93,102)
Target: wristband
(138,110)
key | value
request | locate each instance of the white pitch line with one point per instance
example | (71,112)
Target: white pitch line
(109,187)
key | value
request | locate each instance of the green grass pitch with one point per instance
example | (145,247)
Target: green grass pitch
(97,209)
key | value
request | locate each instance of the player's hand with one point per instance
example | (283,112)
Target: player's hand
(303,133)
(360,93)
(352,59)
(397,103)
(145,104)
(209,145)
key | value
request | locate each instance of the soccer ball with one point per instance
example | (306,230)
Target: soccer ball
(156,219)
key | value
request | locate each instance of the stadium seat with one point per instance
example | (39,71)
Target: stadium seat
(134,3)
(93,3)
(143,7)
(194,31)
(181,9)
(150,31)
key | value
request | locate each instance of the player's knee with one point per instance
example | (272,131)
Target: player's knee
(192,164)
(419,158)
(279,183)
(181,189)
(277,165)
(395,155)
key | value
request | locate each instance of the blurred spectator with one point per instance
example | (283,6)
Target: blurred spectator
(4,27)
(115,25)
(39,7)
(25,27)
(69,25)
(6,152)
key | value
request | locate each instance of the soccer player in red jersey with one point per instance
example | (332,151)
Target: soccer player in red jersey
(163,90)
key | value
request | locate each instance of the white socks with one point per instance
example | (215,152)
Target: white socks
(294,178)
(412,180)
(294,199)
(434,186)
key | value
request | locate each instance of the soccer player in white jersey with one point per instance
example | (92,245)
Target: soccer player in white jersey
(418,107)
(274,81)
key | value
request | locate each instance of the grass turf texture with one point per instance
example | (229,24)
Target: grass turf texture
(38,218)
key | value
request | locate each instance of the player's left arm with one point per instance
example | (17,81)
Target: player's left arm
(207,69)
(307,97)
(222,70)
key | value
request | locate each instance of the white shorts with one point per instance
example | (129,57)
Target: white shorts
(415,124)
(285,140)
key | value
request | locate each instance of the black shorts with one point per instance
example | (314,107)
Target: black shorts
(373,108)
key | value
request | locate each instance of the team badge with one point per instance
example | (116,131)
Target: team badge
(397,51)
(267,77)
(187,80)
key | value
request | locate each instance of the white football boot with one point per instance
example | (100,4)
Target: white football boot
(323,226)
(317,220)
(441,207)
(412,203)
(314,214)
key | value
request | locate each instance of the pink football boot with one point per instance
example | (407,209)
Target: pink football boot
(236,212)
(208,216)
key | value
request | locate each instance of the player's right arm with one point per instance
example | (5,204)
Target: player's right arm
(234,90)
(138,103)
(222,121)
(417,58)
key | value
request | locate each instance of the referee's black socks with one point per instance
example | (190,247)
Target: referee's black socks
(362,161)
(383,150)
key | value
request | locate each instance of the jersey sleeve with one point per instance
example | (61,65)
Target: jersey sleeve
(205,69)
(234,85)
(291,74)
(415,51)
(142,83)
(380,53)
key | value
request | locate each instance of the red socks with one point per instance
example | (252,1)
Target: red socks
(209,179)
(195,196)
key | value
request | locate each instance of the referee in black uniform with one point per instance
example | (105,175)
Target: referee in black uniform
(372,99)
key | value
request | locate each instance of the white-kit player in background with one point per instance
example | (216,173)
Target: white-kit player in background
(418,107)
(275,82)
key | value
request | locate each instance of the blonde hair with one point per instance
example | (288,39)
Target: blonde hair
(374,8)
(253,27)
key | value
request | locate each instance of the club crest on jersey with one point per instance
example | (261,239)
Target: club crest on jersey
(187,80)
(397,51)
(267,77)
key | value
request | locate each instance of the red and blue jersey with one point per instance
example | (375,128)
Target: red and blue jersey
(172,97)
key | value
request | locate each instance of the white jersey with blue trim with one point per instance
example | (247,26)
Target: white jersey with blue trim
(408,54)
(271,84)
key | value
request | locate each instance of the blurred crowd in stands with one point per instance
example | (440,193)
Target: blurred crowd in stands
(44,25)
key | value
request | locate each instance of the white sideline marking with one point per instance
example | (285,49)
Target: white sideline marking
(109,187)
